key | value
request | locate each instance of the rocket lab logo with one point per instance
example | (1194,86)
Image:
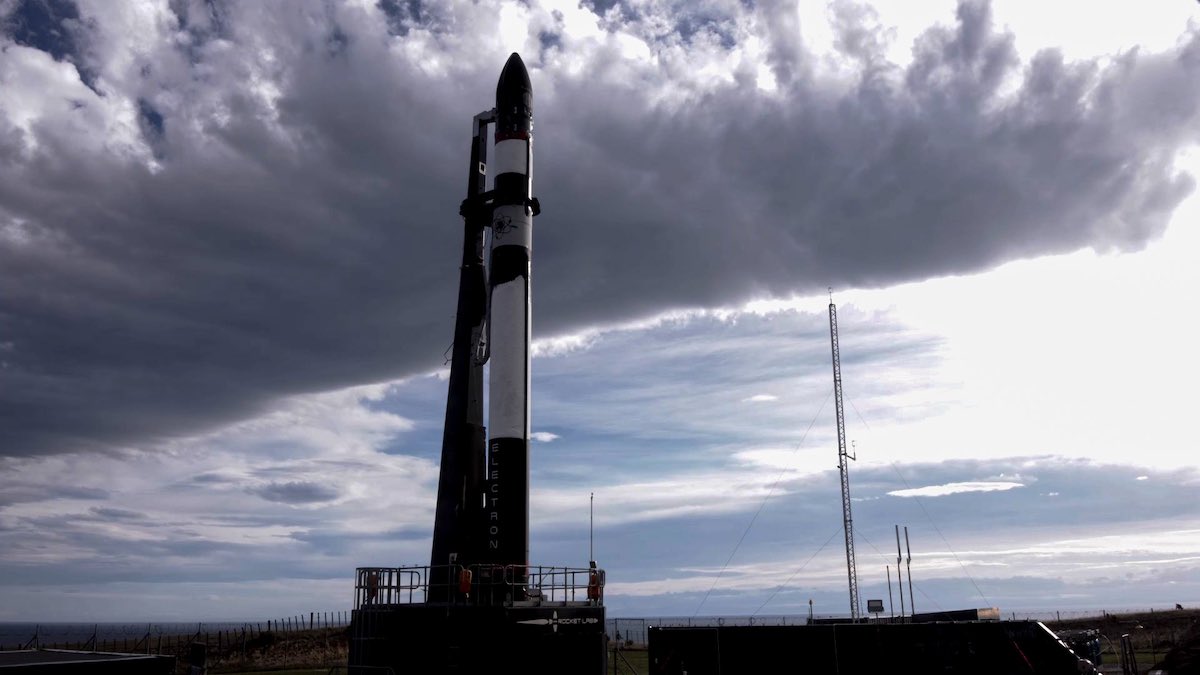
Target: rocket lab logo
(502,226)
(554,622)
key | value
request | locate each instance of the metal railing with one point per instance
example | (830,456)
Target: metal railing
(477,584)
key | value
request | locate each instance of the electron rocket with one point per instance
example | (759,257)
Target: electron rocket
(482,515)
(507,497)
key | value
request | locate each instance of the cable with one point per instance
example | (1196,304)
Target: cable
(935,602)
(770,493)
(942,536)
(927,517)
(886,558)
(798,570)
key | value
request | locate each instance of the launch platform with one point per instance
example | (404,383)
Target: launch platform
(533,619)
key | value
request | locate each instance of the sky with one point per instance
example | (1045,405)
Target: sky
(228,261)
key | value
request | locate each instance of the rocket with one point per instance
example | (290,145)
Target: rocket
(482,515)
(506,505)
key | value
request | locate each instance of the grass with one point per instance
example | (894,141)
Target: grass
(628,661)
(322,671)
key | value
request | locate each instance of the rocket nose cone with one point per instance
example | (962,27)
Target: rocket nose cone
(514,79)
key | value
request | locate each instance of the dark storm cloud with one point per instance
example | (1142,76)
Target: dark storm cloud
(283,218)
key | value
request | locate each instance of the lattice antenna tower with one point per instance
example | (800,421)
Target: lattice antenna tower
(844,458)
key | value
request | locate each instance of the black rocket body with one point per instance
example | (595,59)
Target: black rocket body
(506,500)
(482,516)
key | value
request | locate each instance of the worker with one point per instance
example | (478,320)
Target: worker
(595,582)
(372,586)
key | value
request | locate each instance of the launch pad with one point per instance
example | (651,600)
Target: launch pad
(489,622)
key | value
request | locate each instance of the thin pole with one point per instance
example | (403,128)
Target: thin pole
(591,526)
(899,576)
(912,604)
(891,610)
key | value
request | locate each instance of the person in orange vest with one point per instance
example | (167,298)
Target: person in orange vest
(372,586)
(464,582)
(595,582)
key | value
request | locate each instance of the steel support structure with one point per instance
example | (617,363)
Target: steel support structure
(843,465)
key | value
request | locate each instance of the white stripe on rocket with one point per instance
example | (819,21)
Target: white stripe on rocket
(508,415)
(512,156)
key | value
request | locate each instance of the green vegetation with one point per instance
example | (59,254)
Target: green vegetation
(628,661)
(305,651)
(1153,633)
(315,671)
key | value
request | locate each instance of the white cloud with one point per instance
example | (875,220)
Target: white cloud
(544,436)
(677,494)
(955,488)
(761,398)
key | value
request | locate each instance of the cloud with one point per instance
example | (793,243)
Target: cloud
(761,398)
(956,488)
(543,436)
(297,492)
(206,210)
(109,513)
(664,522)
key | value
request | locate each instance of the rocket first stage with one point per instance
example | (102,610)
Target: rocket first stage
(507,498)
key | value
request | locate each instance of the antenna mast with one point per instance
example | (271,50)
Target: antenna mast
(843,463)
